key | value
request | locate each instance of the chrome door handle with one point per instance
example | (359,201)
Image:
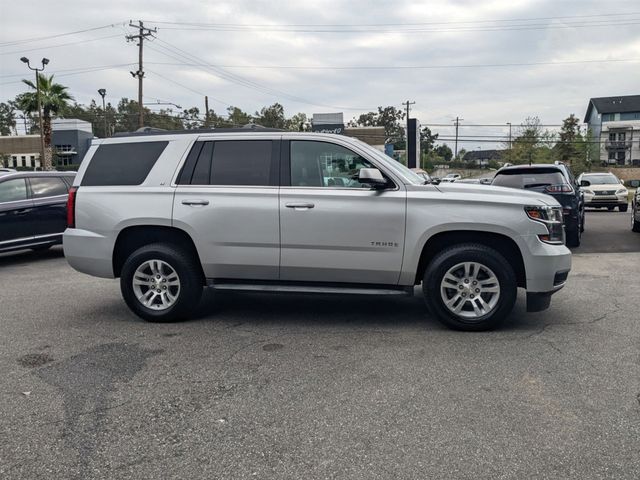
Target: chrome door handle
(195,202)
(301,206)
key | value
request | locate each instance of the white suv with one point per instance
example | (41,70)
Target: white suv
(169,213)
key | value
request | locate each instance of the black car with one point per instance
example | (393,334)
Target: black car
(635,207)
(33,209)
(556,180)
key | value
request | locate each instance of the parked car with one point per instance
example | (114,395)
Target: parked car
(423,173)
(556,180)
(635,207)
(604,190)
(33,209)
(451,177)
(170,213)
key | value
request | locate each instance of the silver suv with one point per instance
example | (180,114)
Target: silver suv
(170,213)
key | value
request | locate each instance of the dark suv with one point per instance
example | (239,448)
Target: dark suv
(33,209)
(556,180)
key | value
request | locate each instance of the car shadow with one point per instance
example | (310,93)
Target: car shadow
(30,256)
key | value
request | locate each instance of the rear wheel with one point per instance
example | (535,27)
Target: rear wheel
(470,287)
(623,208)
(161,283)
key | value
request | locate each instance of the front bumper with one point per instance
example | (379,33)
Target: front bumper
(596,201)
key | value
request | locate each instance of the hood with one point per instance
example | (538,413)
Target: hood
(613,187)
(490,193)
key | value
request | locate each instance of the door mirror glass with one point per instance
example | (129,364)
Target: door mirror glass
(585,183)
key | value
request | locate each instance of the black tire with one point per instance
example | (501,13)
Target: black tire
(611,209)
(582,222)
(189,274)
(469,252)
(623,208)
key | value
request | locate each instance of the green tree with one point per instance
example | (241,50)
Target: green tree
(237,118)
(298,123)
(390,118)
(531,144)
(427,139)
(271,117)
(7,118)
(54,98)
(444,152)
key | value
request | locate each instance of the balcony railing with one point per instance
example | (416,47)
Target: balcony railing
(617,144)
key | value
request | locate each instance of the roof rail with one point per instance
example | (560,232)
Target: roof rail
(250,127)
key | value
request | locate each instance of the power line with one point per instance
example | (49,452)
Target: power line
(488,28)
(83,71)
(403,67)
(59,45)
(178,53)
(48,37)
(456,22)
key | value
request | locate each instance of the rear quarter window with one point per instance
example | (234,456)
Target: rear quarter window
(122,163)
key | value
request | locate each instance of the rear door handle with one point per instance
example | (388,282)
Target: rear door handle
(24,211)
(299,206)
(195,202)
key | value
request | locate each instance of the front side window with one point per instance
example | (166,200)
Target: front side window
(47,187)
(322,164)
(13,190)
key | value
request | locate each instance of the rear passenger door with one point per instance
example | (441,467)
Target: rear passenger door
(16,209)
(227,200)
(49,195)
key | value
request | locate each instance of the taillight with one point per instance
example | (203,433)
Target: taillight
(562,188)
(71,207)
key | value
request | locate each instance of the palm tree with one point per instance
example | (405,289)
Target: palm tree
(54,98)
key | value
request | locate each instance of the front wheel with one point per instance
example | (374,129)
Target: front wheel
(635,225)
(623,208)
(470,287)
(161,283)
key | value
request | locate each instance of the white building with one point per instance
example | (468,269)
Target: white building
(615,123)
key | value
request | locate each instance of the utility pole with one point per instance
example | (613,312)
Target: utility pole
(456,144)
(206,112)
(408,104)
(142,34)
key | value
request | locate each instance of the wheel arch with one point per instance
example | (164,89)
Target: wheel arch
(502,243)
(133,237)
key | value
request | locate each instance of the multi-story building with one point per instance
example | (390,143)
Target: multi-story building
(70,138)
(615,123)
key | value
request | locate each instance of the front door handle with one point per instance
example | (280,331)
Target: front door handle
(195,202)
(23,211)
(299,206)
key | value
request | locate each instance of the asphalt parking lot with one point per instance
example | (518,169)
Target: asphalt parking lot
(290,387)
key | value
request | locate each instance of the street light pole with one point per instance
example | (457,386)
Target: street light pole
(103,93)
(45,61)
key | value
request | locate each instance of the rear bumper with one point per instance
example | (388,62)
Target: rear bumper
(88,252)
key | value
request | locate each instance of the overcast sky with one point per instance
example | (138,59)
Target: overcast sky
(453,38)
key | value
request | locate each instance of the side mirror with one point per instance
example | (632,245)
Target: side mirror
(372,176)
(585,183)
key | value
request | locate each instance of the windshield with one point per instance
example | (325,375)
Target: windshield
(601,179)
(397,167)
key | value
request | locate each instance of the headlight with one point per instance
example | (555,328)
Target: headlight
(622,191)
(588,192)
(551,217)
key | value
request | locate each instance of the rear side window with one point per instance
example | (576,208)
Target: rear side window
(528,178)
(122,163)
(229,162)
(13,190)
(47,187)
